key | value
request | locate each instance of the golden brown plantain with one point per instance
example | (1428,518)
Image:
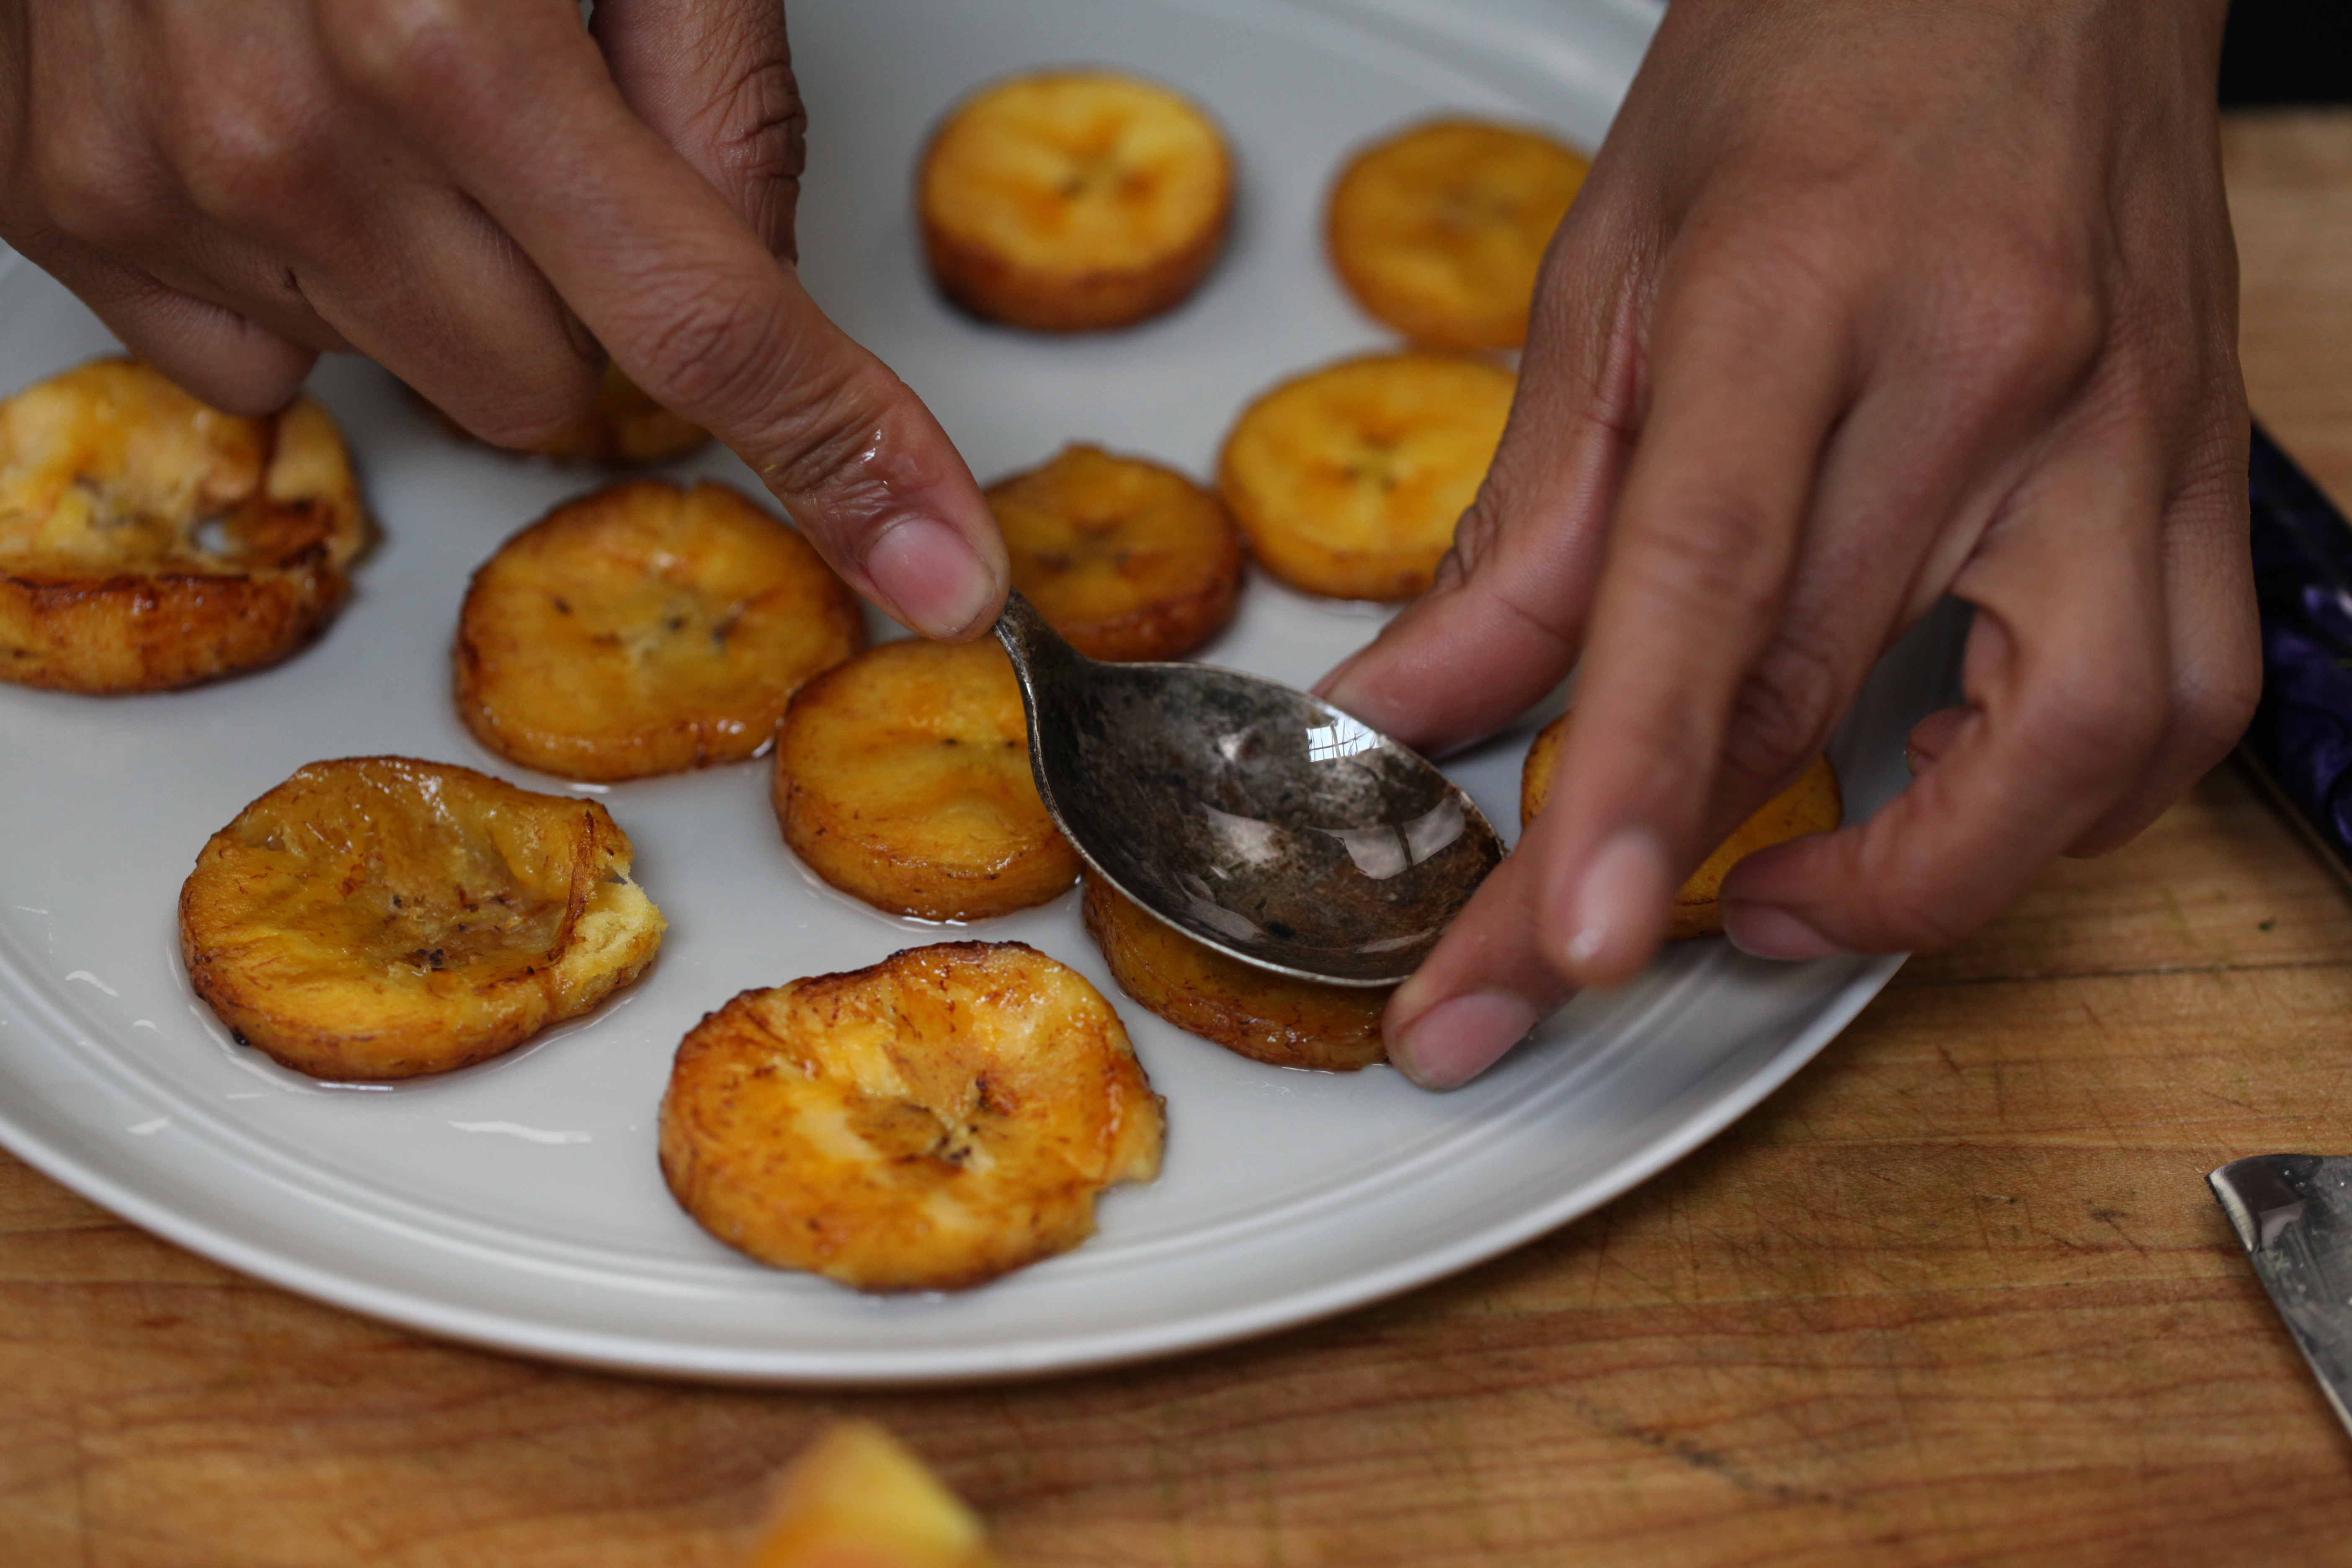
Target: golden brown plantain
(1265,1016)
(1348,479)
(1440,231)
(623,428)
(645,629)
(380,917)
(1071,201)
(1811,804)
(1128,559)
(926,1124)
(855,1498)
(902,777)
(148,541)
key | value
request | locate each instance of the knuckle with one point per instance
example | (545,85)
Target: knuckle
(732,358)
(710,348)
(766,138)
(2027,317)
(1784,710)
(531,413)
(243,160)
(1768,239)
(1698,560)
(1907,908)
(391,49)
(85,185)
(2092,727)
(823,441)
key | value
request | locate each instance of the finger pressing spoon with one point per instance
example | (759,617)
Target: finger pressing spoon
(1251,816)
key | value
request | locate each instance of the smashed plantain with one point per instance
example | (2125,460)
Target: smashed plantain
(1439,232)
(383,917)
(929,1123)
(1073,201)
(1127,559)
(902,778)
(1812,804)
(148,541)
(1348,479)
(644,629)
(1252,1011)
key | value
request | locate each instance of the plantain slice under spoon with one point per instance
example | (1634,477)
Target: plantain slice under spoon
(1251,816)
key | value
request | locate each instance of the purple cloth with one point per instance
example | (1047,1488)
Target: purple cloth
(2302,733)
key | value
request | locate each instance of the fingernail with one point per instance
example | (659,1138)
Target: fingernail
(1766,931)
(1618,909)
(1461,1037)
(931,578)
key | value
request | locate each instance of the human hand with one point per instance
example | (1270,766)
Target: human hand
(486,199)
(1865,301)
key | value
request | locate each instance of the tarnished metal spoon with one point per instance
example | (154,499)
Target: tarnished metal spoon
(1251,816)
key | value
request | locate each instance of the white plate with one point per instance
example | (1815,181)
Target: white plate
(517,1205)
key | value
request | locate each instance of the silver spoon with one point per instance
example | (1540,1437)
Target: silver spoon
(1250,817)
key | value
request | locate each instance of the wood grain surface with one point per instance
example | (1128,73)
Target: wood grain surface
(1955,1295)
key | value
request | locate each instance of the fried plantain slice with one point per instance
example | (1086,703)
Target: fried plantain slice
(1812,804)
(927,1124)
(902,778)
(1348,479)
(1128,559)
(623,428)
(1265,1016)
(383,917)
(148,541)
(1439,231)
(644,629)
(1072,201)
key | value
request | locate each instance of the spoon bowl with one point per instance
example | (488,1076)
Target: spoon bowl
(1251,816)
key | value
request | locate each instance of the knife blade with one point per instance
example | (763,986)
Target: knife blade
(2294,1212)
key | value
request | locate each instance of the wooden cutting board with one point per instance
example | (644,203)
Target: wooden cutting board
(1957,1294)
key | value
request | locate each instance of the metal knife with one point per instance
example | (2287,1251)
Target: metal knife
(2293,1211)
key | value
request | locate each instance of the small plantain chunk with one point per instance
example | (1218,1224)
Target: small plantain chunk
(382,918)
(1348,479)
(1811,804)
(1128,559)
(1073,201)
(856,1497)
(148,541)
(1439,232)
(645,629)
(927,1124)
(902,778)
(1265,1016)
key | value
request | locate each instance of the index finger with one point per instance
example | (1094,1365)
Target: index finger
(1747,385)
(518,107)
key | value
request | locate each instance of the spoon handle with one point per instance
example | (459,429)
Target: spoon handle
(1038,652)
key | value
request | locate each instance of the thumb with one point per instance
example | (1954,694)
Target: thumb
(1505,619)
(714,79)
(734,342)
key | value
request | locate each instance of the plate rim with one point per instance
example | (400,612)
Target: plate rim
(926,1367)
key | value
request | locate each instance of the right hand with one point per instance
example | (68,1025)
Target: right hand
(486,199)
(1865,303)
